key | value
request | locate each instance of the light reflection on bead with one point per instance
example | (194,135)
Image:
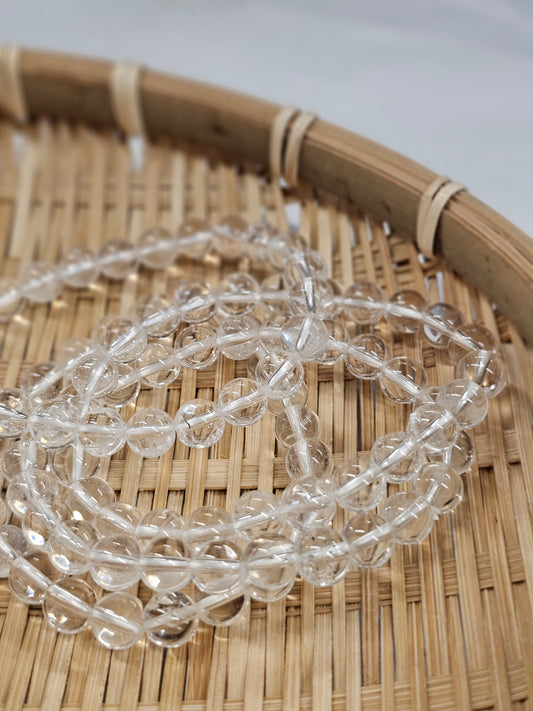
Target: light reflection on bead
(377,549)
(270,570)
(68,604)
(323,556)
(198,423)
(117,620)
(170,619)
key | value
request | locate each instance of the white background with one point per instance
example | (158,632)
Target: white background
(448,83)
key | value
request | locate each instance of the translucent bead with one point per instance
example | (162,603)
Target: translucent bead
(67,605)
(228,237)
(466,400)
(309,458)
(252,407)
(433,427)
(72,463)
(30,575)
(102,432)
(312,296)
(459,456)
(336,330)
(53,425)
(14,410)
(218,566)
(117,620)
(70,351)
(365,497)
(40,282)
(401,305)
(16,541)
(114,562)
(270,569)
(4,512)
(260,236)
(123,394)
(281,375)
(195,301)
(297,399)
(158,317)
(195,238)
(196,347)
(165,564)
(238,337)
(305,335)
(38,525)
(206,523)
(479,338)
(117,258)
(121,338)
(79,267)
(323,556)
(441,485)
(308,425)
(449,317)
(253,360)
(394,455)
(36,376)
(95,373)
(368,551)
(427,395)
(394,375)
(282,245)
(157,248)
(363,302)
(308,503)
(151,432)
(199,424)
(170,619)
(70,546)
(254,514)
(221,610)
(86,496)
(485,368)
(118,517)
(272,332)
(20,455)
(159,365)
(31,485)
(273,295)
(11,299)
(371,356)
(237,294)
(305,264)
(410,518)
(158,523)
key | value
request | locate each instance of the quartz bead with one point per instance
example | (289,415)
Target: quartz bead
(270,569)
(198,423)
(308,503)
(33,484)
(336,330)
(79,268)
(159,365)
(118,517)
(459,456)
(466,400)
(87,496)
(273,294)
(303,265)
(53,425)
(68,604)
(312,296)
(40,282)
(117,258)
(309,458)
(121,338)
(195,301)
(102,432)
(401,378)
(38,525)
(114,562)
(410,518)
(30,575)
(158,523)
(37,386)
(254,514)
(16,541)
(323,556)
(449,317)
(4,512)
(126,393)
(395,456)
(282,245)
(229,236)
(479,337)
(237,294)
(238,336)
(170,619)
(427,395)
(365,497)
(223,609)
(14,411)
(70,546)
(11,299)
(368,551)
(21,455)
(117,620)
(157,248)
(372,353)
(195,238)
(260,238)
(158,316)
(95,373)
(196,346)
(272,332)
(73,462)
(433,426)
(282,376)
(363,302)
(70,351)
(308,425)
(401,305)
(206,523)
(218,566)
(440,485)
(297,399)
(485,368)
(165,564)
(305,335)
(253,405)
(151,432)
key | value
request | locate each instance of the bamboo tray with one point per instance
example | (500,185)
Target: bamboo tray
(445,625)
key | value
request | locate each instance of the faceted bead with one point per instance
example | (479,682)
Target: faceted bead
(118,517)
(254,514)
(433,427)
(195,301)
(237,294)
(301,416)
(30,576)
(86,496)
(127,388)
(33,484)
(485,368)
(157,248)
(206,523)
(270,569)
(170,619)
(20,455)
(401,305)
(117,620)
(308,503)
(441,485)
(312,296)
(459,456)
(68,604)
(158,523)
(158,316)
(323,556)
(363,302)
(79,267)
(115,561)
(229,236)
(195,238)
(394,455)
(95,373)
(466,400)
(401,378)
(305,335)
(37,526)
(70,545)
(117,258)
(218,566)
(159,365)
(309,458)
(165,564)
(40,282)
(282,376)
(11,299)
(14,410)
(244,391)
(238,336)
(336,330)
(199,424)
(299,398)
(369,358)
(196,347)
(411,518)
(151,432)
(53,425)
(102,432)
(363,498)
(368,551)
(16,541)
(449,317)
(38,387)
(123,341)
(303,265)
(72,462)
(477,338)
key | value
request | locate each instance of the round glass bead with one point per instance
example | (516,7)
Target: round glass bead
(114,561)
(53,425)
(87,496)
(305,335)
(252,407)
(371,354)
(254,514)
(238,336)
(398,313)
(79,267)
(394,455)
(427,395)
(72,462)
(280,375)
(196,347)
(312,296)
(309,458)
(459,456)
(273,295)
(433,427)
(16,540)
(449,317)
(117,620)
(228,237)
(299,398)
(466,400)
(410,518)
(38,525)
(118,517)
(368,551)
(336,330)
(393,377)
(158,523)
(218,566)
(271,337)
(102,432)
(165,564)
(282,245)
(68,604)
(308,503)
(170,619)
(303,265)
(121,338)
(151,432)
(363,302)
(69,351)
(199,424)
(237,294)
(40,282)
(479,337)
(117,258)
(123,394)
(484,368)
(30,576)
(323,556)
(195,238)
(440,485)
(365,497)
(158,316)
(159,365)
(270,569)
(206,523)
(20,455)
(11,299)
(35,376)
(33,484)
(308,425)
(14,410)
(195,301)
(70,545)
(95,373)
(157,248)
(223,609)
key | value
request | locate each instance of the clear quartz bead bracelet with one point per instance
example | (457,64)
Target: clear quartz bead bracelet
(68,545)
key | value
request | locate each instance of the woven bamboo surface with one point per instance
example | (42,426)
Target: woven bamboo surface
(445,625)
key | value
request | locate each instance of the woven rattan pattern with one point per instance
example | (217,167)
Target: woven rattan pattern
(447,624)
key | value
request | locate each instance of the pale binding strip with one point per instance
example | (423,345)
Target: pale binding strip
(433,201)
(12,100)
(294,145)
(125,98)
(277,138)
